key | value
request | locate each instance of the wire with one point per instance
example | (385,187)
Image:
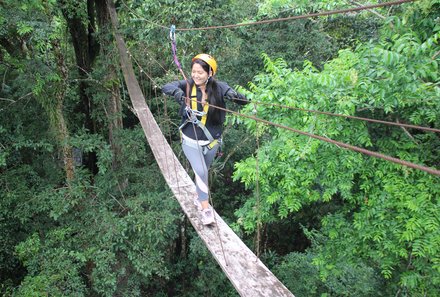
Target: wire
(330,12)
(347,116)
(148,53)
(325,13)
(141,69)
(257,186)
(340,144)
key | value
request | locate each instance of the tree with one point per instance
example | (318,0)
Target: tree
(387,213)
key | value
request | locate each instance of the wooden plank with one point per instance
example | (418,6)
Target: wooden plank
(247,273)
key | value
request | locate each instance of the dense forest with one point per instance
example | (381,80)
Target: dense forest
(85,211)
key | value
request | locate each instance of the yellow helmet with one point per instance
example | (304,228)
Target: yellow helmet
(209,60)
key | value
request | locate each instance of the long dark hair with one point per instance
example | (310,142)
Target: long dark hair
(214,95)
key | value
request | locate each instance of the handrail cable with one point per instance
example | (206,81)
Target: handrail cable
(338,143)
(141,69)
(148,53)
(257,185)
(347,116)
(304,16)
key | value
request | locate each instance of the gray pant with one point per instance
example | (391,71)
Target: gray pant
(200,159)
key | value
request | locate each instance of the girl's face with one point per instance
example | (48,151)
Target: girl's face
(198,74)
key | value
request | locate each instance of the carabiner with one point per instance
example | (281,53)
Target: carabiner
(193,114)
(172,33)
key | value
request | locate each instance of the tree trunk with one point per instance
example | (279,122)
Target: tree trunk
(59,122)
(114,105)
(86,49)
(114,116)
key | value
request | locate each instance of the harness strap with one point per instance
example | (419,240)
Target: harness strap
(193,113)
(196,144)
(205,130)
(194,104)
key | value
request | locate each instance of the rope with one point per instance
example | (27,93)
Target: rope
(257,185)
(176,61)
(347,116)
(330,12)
(151,57)
(174,50)
(141,70)
(338,143)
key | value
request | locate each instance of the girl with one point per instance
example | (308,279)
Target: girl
(202,124)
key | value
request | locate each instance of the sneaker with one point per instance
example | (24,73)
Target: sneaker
(197,204)
(208,216)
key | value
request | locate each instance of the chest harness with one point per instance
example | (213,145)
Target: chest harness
(196,117)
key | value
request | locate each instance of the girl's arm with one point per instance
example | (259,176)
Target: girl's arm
(177,89)
(230,94)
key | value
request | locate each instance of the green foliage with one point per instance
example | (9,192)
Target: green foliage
(290,179)
(115,232)
(59,266)
(301,276)
(209,279)
(389,214)
(292,41)
(119,237)
(348,31)
(149,41)
(272,7)
(29,163)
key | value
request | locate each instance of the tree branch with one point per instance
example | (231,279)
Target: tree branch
(407,132)
(370,10)
(6,99)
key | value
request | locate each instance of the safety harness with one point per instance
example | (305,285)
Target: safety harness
(196,117)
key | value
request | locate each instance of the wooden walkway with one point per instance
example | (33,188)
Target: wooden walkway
(247,273)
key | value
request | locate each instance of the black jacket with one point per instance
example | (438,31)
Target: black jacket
(178,90)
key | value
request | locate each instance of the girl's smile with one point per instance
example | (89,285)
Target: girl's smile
(199,75)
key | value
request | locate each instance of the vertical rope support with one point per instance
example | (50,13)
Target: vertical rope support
(217,228)
(174,50)
(169,134)
(257,186)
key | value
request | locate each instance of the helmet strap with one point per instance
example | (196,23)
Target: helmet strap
(209,75)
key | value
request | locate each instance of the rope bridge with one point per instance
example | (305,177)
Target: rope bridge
(247,273)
